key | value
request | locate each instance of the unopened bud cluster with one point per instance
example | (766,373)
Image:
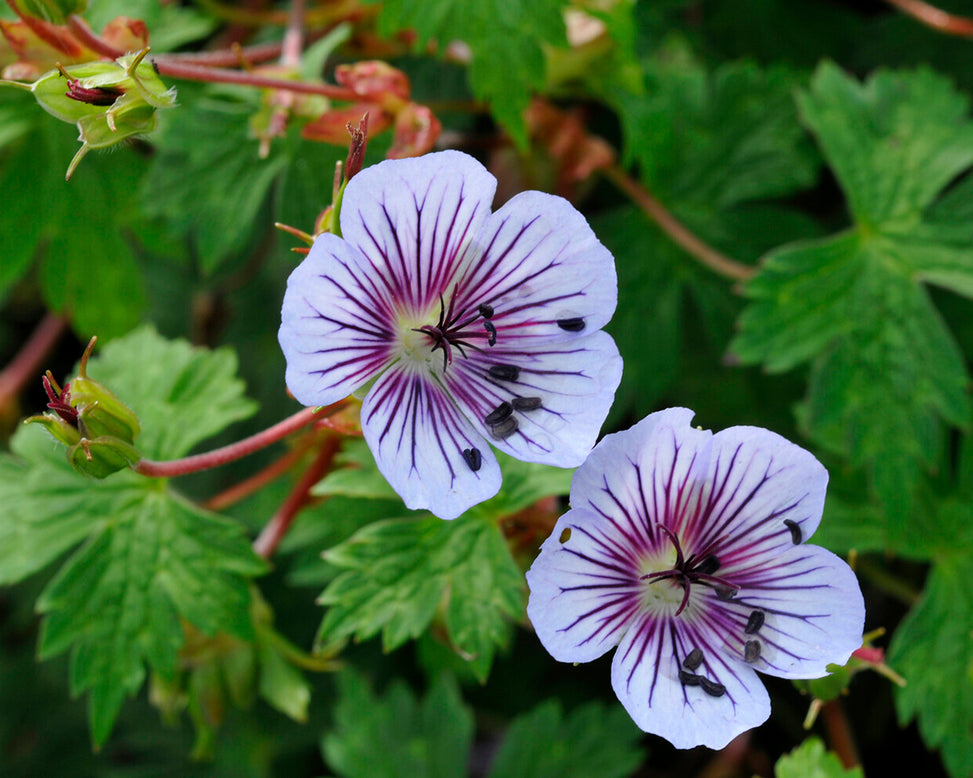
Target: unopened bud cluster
(98,428)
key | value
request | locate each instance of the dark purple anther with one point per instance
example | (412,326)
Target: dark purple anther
(498,414)
(571,325)
(796,535)
(755,622)
(504,429)
(712,688)
(751,651)
(689,679)
(526,403)
(708,566)
(486,311)
(693,659)
(504,372)
(473,458)
(491,330)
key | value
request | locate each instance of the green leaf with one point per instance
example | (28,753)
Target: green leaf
(810,760)
(59,223)
(893,142)
(428,739)
(148,560)
(932,650)
(506,38)
(182,394)
(396,574)
(885,371)
(218,204)
(712,140)
(592,740)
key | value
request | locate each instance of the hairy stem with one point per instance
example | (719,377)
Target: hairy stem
(26,364)
(271,536)
(241,448)
(676,230)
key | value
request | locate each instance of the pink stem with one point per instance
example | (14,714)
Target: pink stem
(241,448)
(257,481)
(271,536)
(30,358)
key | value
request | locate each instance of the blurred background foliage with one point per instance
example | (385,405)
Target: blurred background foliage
(785,187)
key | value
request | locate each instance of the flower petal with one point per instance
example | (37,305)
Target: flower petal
(572,385)
(814,613)
(418,436)
(541,264)
(419,218)
(645,676)
(335,323)
(583,589)
(766,495)
(638,473)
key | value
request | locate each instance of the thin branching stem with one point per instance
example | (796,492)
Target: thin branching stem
(272,534)
(676,230)
(238,450)
(256,482)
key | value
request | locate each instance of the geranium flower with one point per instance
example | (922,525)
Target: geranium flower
(464,326)
(686,550)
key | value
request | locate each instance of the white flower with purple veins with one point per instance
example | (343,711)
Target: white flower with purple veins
(686,550)
(464,327)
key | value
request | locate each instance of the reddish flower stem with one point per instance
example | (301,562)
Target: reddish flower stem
(258,480)
(676,230)
(271,535)
(839,733)
(241,448)
(935,18)
(190,71)
(29,359)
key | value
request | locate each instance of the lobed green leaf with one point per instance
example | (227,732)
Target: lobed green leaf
(931,649)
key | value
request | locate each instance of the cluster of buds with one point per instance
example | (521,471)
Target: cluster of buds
(109,101)
(98,428)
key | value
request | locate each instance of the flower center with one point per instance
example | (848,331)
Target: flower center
(687,571)
(453,330)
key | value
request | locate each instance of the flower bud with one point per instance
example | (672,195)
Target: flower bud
(98,428)
(109,101)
